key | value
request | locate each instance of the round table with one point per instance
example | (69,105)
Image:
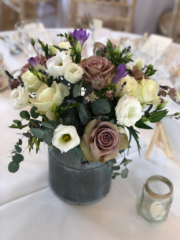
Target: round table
(30,210)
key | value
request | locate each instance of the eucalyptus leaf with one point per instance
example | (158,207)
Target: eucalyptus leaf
(20,142)
(101,106)
(28,135)
(48,134)
(116,167)
(47,125)
(126,161)
(53,123)
(13,167)
(17,122)
(109,170)
(18,149)
(17,158)
(25,115)
(83,114)
(76,90)
(124,173)
(33,112)
(38,133)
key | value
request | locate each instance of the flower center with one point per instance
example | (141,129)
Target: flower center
(60,64)
(65,137)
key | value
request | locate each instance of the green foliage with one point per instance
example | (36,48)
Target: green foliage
(18,149)
(101,106)
(38,133)
(83,114)
(47,125)
(48,134)
(33,112)
(60,49)
(118,57)
(124,173)
(32,42)
(150,71)
(157,116)
(126,161)
(17,122)
(13,167)
(19,126)
(77,89)
(25,115)
(17,158)
(133,133)
(44,47)
(140,124)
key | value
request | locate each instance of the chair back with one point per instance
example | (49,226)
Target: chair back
(176,21)
(115,14)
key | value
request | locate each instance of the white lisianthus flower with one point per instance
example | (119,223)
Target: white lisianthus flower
(148,94)
(65,45)
(19,97)
(73,73)
(65,138)
(52,50)
(47,96)
(127,86)
(31,82)
(128,110)
(56,64)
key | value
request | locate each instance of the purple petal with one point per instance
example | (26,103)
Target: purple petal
(121,73)
(33,62)
(80,35)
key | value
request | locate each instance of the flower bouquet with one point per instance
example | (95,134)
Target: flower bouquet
(87,107)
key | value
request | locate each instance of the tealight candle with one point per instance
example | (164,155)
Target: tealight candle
(154,205)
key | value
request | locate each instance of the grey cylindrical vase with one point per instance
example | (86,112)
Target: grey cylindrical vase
(76,183)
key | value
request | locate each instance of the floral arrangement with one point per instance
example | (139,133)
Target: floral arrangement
(85,105)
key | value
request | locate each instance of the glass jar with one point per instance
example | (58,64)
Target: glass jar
(157,196)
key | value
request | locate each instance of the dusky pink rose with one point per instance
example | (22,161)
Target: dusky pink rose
(41,59)
(96,66)
(102,141)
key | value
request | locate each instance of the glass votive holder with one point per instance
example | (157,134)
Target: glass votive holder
(157,196)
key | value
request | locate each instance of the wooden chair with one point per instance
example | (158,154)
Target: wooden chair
(115,14)
(169,22)
(26,9)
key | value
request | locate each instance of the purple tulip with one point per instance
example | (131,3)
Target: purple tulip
(121,73)
(80,35)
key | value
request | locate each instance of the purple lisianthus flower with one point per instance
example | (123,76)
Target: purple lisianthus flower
(80,35)
(121,73)
(34,62)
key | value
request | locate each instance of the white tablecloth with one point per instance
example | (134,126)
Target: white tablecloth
(29,209)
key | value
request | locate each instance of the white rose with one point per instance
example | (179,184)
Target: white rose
(56,64)
(65,45)
(47,96)
(73,73)
(19,97)
(31,82)
(131,88)
(148,94)
(65,138)
(128,110)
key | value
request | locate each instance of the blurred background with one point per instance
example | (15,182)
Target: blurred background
(136,16)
